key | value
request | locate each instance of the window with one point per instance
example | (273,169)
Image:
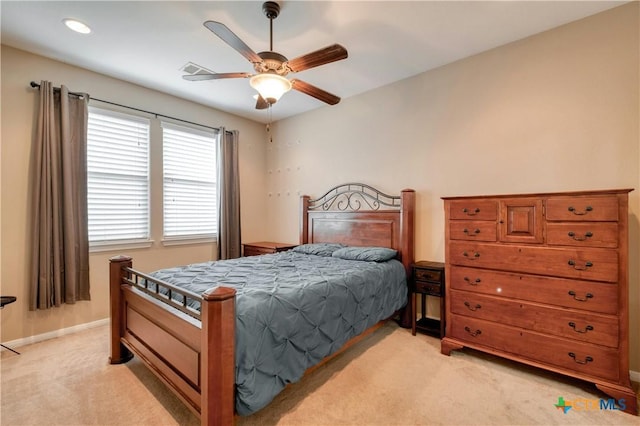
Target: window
(117,177)
(189,169)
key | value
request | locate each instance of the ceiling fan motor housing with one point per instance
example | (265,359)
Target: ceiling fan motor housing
(272,62)
(271,9)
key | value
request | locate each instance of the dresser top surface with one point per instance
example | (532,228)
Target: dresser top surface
(547,194)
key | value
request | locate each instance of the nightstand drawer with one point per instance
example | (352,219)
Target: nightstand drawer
(256,251)
(432,289)
(265,247)
(427,275)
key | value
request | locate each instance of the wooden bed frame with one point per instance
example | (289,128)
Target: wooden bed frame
(192,352)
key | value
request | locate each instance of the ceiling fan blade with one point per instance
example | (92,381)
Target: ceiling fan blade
(216,76)
(261,103)
(313,91)
(319,57)
(232,40)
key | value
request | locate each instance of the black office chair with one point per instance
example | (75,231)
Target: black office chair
(5,300)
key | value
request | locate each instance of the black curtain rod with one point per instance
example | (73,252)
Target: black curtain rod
(57,89)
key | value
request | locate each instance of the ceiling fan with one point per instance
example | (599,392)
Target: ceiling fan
(272,67)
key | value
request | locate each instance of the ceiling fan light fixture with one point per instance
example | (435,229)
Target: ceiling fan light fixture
(270,86)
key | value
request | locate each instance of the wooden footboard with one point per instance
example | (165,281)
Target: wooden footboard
(193,354)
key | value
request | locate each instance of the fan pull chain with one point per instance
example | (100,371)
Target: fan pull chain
(268,127)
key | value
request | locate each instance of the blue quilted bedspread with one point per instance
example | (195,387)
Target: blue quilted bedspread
(292,310)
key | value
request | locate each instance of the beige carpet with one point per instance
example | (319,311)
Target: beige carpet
(389,378)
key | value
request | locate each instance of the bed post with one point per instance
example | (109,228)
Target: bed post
(407,219)
(304,219)
(217,365)
(119,353)
(407,214)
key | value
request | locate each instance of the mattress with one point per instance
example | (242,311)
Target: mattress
(293,310)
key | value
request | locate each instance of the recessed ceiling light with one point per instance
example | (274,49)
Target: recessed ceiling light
(77,26)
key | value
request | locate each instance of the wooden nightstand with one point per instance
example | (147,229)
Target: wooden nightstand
(427,279)
(265,247)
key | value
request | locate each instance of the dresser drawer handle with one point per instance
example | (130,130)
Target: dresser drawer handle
(472,308)
(586,360)
(475,255)
(587,328)
(474,282)
(587,296)
(577,267)
(471,213)
(466,231)
(473,333)
(586,210)
(577,238)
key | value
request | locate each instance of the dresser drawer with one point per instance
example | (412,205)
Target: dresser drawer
(575,294)
(587,264)
(473,210)
(583,358)
(577,325)
(596,208)
(583,234)
(473,230)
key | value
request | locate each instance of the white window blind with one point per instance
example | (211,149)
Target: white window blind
(118,176)
(189,169)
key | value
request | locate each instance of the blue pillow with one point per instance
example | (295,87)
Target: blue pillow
(319,249)
(371,254)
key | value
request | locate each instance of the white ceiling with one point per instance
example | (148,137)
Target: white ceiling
(148,42)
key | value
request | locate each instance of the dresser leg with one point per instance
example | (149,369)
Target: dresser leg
(446,346)
(629,396)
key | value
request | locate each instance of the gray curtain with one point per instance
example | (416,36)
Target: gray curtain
(229,246)
(60,244)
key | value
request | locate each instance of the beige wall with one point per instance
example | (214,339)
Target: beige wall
(19,100)
(554,112)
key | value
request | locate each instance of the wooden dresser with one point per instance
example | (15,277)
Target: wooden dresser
(543,279)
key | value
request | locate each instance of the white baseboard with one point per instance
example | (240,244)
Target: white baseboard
(56,333)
